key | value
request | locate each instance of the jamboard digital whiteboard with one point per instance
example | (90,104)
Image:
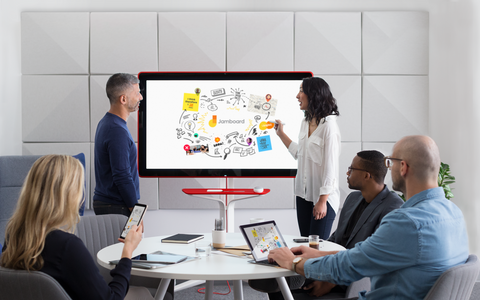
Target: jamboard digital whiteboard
(217,124)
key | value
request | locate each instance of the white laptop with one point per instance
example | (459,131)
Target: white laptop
(261,238)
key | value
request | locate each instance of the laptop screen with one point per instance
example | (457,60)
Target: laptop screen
(262,238)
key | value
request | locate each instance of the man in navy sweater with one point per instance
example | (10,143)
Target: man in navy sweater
(116,173)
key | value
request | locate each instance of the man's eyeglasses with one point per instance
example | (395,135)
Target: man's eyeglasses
(389,161)
(349,169)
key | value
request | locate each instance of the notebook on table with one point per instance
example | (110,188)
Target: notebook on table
(261,238)
(182,238)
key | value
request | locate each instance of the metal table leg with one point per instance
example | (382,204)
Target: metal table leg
(162,288)
(237,290)
(209,290)
(282,283)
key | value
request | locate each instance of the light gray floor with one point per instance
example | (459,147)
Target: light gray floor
(250,294)
(220,287)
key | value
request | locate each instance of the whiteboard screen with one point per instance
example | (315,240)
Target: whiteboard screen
(218,124)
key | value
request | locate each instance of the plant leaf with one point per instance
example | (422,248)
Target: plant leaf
(445,179)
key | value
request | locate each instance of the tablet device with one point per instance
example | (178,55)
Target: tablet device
(261,238)
(139,264)
(135,218)
(160,258)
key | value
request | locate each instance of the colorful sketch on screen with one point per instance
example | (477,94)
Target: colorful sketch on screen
(265,239)
(224,123)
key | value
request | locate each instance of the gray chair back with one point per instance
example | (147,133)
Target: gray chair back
(98,232)
(456,283)
(24,285)
(13,170)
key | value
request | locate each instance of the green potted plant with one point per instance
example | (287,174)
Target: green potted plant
(444,181)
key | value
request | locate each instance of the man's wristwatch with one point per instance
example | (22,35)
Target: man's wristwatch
(296,260)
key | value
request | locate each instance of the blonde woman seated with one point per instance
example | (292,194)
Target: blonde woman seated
(39,236)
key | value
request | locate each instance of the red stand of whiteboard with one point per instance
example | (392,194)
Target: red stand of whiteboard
(227,208)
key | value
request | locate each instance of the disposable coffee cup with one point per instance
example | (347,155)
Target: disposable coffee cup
(218,238)
(314,241)
(256,220)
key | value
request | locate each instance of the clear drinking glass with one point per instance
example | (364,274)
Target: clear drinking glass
(314,241)
(203,248)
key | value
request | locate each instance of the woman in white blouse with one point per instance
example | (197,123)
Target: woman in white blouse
(317,153)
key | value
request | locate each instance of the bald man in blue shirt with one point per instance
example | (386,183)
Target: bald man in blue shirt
(412,246)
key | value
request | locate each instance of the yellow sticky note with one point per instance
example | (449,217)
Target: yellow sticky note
(190,102)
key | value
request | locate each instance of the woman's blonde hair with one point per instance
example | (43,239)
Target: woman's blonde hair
(50,199)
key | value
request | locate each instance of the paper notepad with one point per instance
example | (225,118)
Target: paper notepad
(236,250)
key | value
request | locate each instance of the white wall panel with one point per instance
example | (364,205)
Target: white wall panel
(169,221)
(328,42)
(63,148)
(99,105)
(395,43)
(172,197)
(347,90)
(394,106)
(192,41)
(149,192)
(123,42)
(281,192)
(386,149)
(55,108)
(260,41)
(55,43)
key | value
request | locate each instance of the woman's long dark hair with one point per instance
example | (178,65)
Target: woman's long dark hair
(320,100)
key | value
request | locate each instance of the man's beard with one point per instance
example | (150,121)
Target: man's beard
(353,187)
(398,184)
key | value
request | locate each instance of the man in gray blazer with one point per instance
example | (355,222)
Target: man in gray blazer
(363,210)
(361,215)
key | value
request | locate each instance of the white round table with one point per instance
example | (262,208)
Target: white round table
(211,268)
